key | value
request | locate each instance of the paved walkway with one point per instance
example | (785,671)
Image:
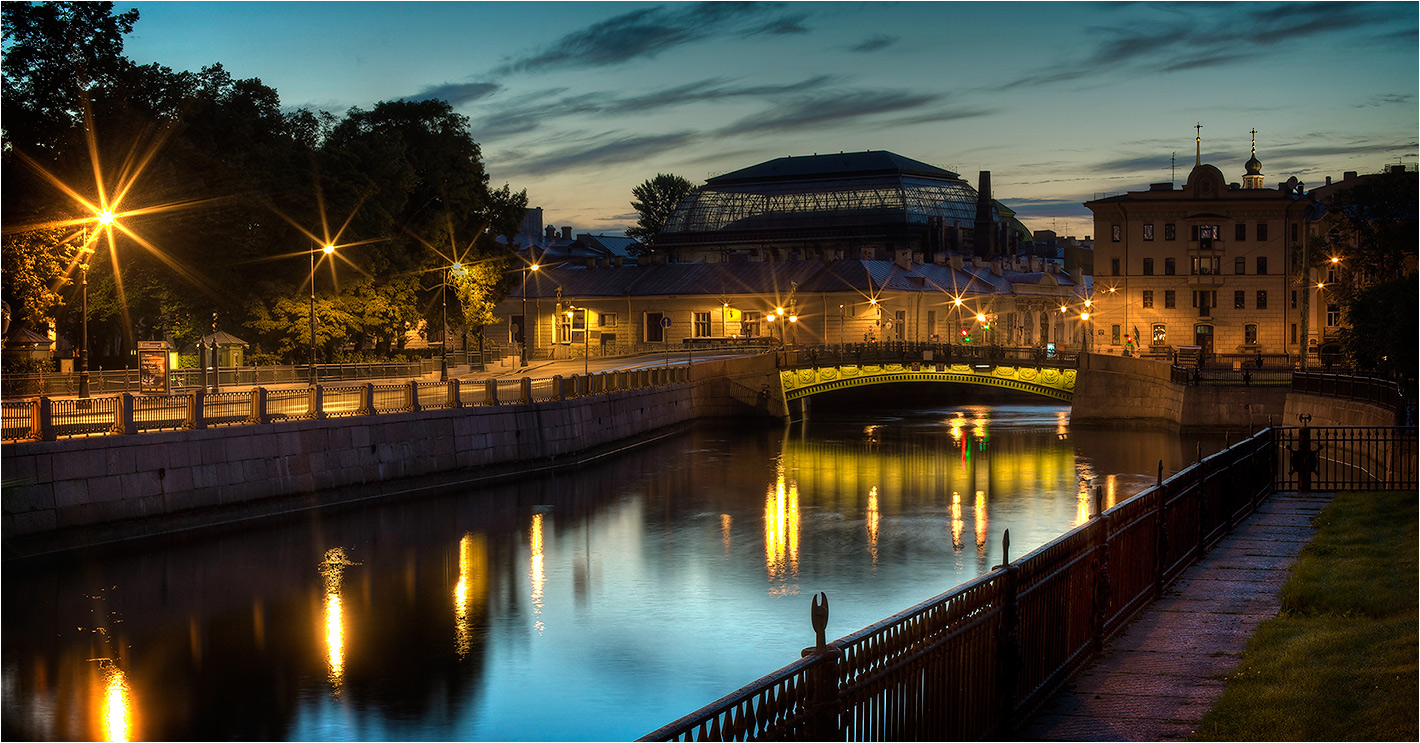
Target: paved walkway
(1157,679)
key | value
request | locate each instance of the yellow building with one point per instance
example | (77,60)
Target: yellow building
(1204,267)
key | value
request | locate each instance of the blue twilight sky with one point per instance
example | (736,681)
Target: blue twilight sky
(578,102)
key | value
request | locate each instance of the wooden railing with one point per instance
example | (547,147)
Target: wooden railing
(975,661)
(47,419)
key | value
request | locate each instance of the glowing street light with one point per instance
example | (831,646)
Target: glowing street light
(524,331)
(105,219)
(456,268)
(328,249)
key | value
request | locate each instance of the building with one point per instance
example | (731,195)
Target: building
(1202,268)
(854,205)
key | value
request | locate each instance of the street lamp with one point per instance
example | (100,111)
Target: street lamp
(328,249)
(105,219)
(524,331)
(449,271)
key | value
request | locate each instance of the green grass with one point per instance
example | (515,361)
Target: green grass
(1340,661)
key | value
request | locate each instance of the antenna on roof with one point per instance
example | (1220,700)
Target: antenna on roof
(1171,166)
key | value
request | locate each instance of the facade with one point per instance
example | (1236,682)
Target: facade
(572,310)
(1203,268)
(854,205)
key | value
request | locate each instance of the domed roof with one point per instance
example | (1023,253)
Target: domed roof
(1254,166)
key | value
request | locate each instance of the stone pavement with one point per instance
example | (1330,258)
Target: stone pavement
(1158,678)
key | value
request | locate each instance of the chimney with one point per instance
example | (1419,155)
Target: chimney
(956,262)
(984,233)
(1348,175)
(903,258)
(566,233)
(1034,264)
(1328,180)
(551,232)
(996,267)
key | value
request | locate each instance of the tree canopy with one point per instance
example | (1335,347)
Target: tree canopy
(221,195)
(655,200)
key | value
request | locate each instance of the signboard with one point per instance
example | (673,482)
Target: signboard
(153,367)
(665,322)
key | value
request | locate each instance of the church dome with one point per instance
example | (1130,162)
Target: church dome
(1254,166)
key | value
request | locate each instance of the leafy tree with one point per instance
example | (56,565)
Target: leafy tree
(33,263)
(655,200)
(479,288)
(1381,328)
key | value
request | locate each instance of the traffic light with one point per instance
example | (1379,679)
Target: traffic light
(965,337)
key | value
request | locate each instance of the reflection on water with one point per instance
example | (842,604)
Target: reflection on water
(593,604)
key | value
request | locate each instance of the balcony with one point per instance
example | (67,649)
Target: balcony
(1205,280)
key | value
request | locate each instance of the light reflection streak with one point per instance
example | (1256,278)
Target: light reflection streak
(725,521)
(332,570)
(979,512)
(118,720)
(957,525)
(873,524)
(1109,491)
(536,572)
(473,581)
(781,537)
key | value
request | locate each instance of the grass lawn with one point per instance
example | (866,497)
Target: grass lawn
(1340,661)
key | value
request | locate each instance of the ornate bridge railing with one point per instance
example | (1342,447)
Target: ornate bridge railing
(974,661)
(817,369)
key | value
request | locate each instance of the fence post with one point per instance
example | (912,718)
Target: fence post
(1102,584)
(367,399)
(1008,645)
(490,391)
(411,396)
(194,410)
(315,408)
(524,391)
(123,415)
(825,722)
(557,388)
(258,407)
(42,420)
(453,391)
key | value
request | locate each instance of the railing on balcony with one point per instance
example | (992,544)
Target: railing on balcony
(974,661)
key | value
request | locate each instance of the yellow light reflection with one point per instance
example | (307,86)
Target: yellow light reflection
(873,524)
(725,521)
(332,569)
(1062,423)
(1109,491)
(536,572)
(781,537)
(980,514)
(957,525)
(118,720)
(1082,508)
(472,586)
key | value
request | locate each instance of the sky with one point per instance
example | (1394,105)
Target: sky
(579,102)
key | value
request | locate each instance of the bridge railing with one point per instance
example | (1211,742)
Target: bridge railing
(974,661)
(47,419)
(907,353)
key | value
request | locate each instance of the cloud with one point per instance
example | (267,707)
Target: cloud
(1386,99)
(827,108)
(647,32)
(611,151)
(874,43)
(457,94)
(1209,34)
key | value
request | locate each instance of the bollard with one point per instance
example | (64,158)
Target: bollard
(524,391)
(194,411)
(123,416)
(490,391)
(824,703)
(453,400)
(411,396)
(367,399)
(42,420)
(557,388)
(315,406)
(258,407)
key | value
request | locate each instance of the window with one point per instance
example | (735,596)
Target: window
(1294,233)
(1148,232)
(1159,338)
(574,326)
(1114,266)
(1240,231)
(1294,299)
(1239,266)
(1294,333)
(606,320)
(702,325)
(1148,266)
(1250,335)
(1114,334)
(1205,265)
(1205,301)
(1168,267)
(749,323)
(1261,266)
(932,323)
(1333,315)
(1168,299)
(1261,299)
(1114,233)
(1239,300)
(1261,231)
(1169,232)
(1205,232)
(1148,299)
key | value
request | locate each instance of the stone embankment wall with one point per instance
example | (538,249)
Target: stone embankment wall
(1110,390)
(71,484)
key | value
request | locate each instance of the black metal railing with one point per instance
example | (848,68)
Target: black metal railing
(972,662)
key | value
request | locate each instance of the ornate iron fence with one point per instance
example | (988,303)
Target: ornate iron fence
(970,663)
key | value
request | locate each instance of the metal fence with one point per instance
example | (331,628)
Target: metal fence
(45,418)
(972,662)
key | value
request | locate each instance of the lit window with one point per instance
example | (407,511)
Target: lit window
(1159,339)
(702,325)
(1240,300)
(1250,334)
(1114,233)
(1333,315)
(1261,299)
(1148,232)
(1148,299)
(1170,232)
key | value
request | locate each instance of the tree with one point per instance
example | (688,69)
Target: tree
(32,264)
(655,200)
(477,287)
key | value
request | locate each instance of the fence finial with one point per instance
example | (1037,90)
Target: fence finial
(818,614)
(1160,480)
(1006,549)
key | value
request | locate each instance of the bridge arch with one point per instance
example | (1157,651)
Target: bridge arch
(1058,384)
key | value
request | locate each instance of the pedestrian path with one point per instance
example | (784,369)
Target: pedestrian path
(1157,679)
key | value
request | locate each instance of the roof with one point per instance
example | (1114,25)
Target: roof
(223,338)
(841,165)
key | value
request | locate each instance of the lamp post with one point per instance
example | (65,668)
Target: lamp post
(449,271)
(105,219)
(328,249)
(524,331)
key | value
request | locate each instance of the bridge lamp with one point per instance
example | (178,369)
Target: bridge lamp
(956,301)
(981,317)
(1089,302)
(1063,309)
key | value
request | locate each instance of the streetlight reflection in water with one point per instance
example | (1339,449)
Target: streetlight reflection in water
(781,537)
(332,570)
(117,717)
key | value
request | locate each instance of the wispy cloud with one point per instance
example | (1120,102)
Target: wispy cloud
(647,32)
(457,94)
(1387,99)
(829,107)
(874,43)
(1207,35)
(612,149)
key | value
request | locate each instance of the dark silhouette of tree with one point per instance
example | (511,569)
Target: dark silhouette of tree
(655,200)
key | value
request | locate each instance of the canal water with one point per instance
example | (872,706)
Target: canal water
(595,604)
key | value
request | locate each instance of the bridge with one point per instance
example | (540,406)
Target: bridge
(814,370)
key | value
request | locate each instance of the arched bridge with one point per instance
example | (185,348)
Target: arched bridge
(811,371)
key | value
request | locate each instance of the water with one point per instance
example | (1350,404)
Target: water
(589,605)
